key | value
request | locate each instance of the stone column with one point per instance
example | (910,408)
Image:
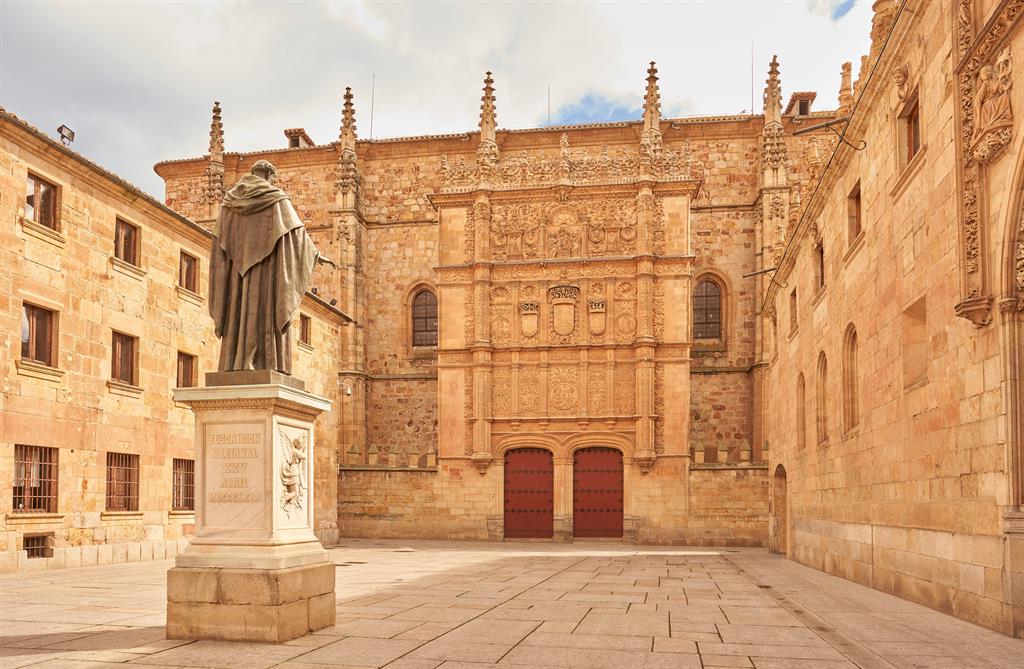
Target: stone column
(254,570)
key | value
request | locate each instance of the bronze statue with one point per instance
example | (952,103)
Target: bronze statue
(261,263)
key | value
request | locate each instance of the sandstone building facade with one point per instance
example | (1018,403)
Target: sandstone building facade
(799,329)
(104,313)
(892,328)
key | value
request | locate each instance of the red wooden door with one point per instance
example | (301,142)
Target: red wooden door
(597,493)
(529,494)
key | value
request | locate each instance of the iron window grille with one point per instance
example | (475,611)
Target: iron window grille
(35,479)
(183,489)
(37,545)
(122,482)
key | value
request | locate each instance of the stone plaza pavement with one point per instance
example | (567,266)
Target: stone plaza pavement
(420,605)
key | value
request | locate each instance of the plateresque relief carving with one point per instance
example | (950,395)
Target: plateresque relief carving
(563,301)
(993,117)
(294,451)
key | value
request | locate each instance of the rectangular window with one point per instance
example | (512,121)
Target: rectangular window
(186,370)
(804,107)
(41,202)
(35,479)
(122,482)
(183,488)
(819,264)
(305,329)
(38,334)
(792,310)
(853,221)
(914,341)
(913,131)
(126,242)
(123,354)
(188,272)
(37,545)
(909,125)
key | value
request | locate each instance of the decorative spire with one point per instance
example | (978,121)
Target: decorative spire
(216,134)
(650,136)
(773,143)
(347,137)
(487,152)
(347,176)
(215,168)
(773,94)
(488,117)
(652,99)
(846,90)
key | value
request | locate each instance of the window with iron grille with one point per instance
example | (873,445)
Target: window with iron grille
(186,370)
(183,489)
(122,482)
(41,202)
(37,545)
(424,319)
(305,329)
(35,479)
(126,242)
(122,358)
(188,272)
(38,334)
(707,311)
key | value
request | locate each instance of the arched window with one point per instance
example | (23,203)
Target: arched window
(851,408)
(819,408)
(801,412)
(707,310)
(424,319)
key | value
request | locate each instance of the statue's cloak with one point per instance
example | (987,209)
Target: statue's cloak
(260,264)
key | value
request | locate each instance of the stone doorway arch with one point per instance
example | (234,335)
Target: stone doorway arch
(778,529)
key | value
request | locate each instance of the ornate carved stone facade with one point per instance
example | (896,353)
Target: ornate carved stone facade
(563,261)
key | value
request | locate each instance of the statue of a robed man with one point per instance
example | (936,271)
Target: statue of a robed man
(261,263)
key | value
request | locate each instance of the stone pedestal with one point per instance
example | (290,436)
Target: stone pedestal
(254,570)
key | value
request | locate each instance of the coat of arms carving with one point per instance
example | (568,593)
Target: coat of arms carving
(529,317)
(563,309)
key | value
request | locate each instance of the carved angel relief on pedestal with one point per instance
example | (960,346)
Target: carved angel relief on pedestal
(293,471)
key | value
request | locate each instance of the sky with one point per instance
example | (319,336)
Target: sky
(136,81)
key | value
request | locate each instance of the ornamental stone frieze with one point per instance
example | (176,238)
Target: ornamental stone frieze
(985,128)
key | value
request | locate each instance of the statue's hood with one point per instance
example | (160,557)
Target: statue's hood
(252,194)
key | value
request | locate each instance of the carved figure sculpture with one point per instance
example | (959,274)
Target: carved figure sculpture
(992,110)
(292,468)
(261,262)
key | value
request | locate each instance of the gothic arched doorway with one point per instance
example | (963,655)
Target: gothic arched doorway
(529,494)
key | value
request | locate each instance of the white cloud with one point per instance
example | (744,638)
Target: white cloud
(136,81)
(361,17)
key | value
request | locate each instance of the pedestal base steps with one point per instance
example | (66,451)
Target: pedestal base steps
(270,605)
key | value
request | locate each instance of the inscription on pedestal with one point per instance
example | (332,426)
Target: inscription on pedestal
(235,484)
